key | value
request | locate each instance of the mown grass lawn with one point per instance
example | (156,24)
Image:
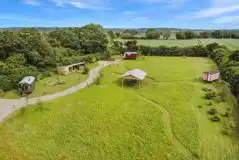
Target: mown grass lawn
(230,43)
(107,121)
(49,85)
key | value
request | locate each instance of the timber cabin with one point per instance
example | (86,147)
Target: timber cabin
(211,76)
(130,55)
(26,85)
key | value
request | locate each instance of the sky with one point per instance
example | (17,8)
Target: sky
(190,14)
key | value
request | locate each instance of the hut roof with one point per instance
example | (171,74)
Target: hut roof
(75,64)
(129,53)
(28,80)
(136,73)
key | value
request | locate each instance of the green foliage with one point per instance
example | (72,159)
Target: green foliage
(85,70)
(166,34)
(152,34)
(215,118)
(210,95)
(212,111)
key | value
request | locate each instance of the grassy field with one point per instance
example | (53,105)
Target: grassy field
(160,120)
(47,85)
(231,43)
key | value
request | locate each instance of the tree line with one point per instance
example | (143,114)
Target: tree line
(30,52)
(226,60)
(166,34)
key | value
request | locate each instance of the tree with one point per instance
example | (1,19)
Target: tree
(180,35)
(152,34)
(131,31)
(111,34)
(166,34)
(131,45)
(205,34)
(235,56)
(189,35)
(218,34)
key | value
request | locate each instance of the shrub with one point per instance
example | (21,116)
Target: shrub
(212,111)
(97,81)
(215,119)
(228,127)
(209,103)
(206,89)
(1,93)
(210,95)
(85,70)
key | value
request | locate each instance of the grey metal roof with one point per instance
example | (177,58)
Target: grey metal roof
(136,73)
(28,80)
(129,53)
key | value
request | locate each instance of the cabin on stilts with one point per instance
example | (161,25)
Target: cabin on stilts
(133,77)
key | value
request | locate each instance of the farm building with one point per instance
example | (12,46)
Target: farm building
(64,70)
(211,76)
(135,75)
(26,85)
(130,55)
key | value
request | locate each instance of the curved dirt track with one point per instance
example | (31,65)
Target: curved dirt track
(8,106)
(168,128)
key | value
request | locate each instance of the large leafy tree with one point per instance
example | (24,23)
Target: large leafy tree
(152,34)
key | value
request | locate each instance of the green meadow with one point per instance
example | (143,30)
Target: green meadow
(160,120)
(230,43)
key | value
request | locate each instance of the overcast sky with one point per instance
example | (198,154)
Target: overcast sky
(195,14)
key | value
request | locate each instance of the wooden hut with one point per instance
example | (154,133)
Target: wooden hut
(64,70)
(130,55)
(26,85)
(211,76)
(134,75)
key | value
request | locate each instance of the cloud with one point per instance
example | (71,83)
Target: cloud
(213,12)
(227,19)
(32,2)
(223,3)
(160,1)
(129,13)
(84,4)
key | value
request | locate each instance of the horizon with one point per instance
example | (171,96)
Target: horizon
(180,14)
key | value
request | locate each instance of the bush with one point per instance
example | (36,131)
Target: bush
(85,70)
(206,89)
(228,127)
(210,95)
(1,93)
(97,81)
(215,119)
(209,103)
(212,111)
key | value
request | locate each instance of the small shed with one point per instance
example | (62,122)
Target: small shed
(26,85)
(64,70)
(211,76)
(130,55)
(135,75)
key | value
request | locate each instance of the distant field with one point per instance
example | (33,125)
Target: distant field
(231,43)
(161,120)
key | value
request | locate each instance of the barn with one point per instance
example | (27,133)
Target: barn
(26,85)
(130,55)
(211,76)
